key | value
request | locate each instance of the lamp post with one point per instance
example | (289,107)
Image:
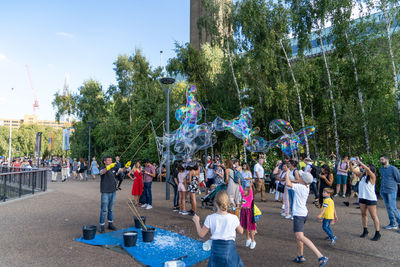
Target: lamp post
(205,104)
(90,123)
(167,85)
(9,146)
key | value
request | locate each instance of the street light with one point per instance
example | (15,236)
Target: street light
(167,85)
(90,123)
(205,104)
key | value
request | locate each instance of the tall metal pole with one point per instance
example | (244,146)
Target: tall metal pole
(168,151)
(168,82)
(9,146)
(205,152)
(89,143)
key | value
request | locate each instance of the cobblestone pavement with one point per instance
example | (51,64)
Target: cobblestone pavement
(40,231)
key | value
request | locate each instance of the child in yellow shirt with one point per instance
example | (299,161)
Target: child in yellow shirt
(328,214)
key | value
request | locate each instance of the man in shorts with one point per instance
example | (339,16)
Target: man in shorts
(300,212)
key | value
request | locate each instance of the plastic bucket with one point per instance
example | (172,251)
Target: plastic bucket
(89,231)
(137,222)
(130,238)
(148,235)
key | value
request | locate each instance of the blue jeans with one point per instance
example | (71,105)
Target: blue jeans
(314,188)
(107,206)
(147,193)
(392,211)
(176,196)
(326,226)
(223,253)
(291,197)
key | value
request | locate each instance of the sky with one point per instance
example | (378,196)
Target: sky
(81,38)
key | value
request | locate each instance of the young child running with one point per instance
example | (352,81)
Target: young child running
(328,214)
(300,212)
(182,188)
(223,227)
(246,216)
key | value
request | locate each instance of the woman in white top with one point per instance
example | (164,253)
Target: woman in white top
(367,197)
(282,178)
(246,175)
(223,227)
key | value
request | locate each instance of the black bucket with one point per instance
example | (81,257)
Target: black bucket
(148,235)
(130,238)
(89,231)
(137,222)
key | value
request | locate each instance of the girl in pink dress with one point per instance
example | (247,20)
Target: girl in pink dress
(246,216)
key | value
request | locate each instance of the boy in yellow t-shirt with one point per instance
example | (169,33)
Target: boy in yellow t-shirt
(328,214)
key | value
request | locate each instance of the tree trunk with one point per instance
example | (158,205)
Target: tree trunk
(360,94)
(330,94)
(315,134)
(389,39)
(233,73)
(298,97)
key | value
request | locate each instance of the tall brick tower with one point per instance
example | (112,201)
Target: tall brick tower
(196,11)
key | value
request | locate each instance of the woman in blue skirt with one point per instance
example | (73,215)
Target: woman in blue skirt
(223,227)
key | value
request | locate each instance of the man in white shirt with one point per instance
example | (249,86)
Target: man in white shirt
(300,213)
(259,178)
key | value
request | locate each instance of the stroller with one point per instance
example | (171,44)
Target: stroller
(208,199)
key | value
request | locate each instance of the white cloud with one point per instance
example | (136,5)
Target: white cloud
(65,34)
(3,57)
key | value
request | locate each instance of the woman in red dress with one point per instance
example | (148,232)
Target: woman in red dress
(137,188)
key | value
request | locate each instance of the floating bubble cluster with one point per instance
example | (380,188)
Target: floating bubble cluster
(191,137)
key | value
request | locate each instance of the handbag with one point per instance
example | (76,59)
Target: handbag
(281,188)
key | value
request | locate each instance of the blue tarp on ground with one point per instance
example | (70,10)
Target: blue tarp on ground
(166,246)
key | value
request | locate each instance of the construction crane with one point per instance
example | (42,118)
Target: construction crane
(35,101)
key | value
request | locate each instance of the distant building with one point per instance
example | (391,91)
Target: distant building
(197,11)
(33,119)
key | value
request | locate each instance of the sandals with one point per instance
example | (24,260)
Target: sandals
(299,259)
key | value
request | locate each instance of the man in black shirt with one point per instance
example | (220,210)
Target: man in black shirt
(108,187)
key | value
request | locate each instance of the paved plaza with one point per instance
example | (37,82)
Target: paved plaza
(40,231)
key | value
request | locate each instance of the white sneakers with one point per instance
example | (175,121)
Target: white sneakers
(250,244)
(283,206)
(144,206)
(288,216)
(149,207)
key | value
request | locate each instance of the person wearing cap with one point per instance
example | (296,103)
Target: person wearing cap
(300,212)
(148,174)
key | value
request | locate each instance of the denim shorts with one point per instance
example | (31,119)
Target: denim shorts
(298,223)
(367,202)
(341,179)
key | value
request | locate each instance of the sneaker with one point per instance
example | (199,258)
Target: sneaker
(101,229)
(149,207)
(283,206)
(191,213)
(343,196)
(248,242)
(184,213)
(327,238)
(333,240)
(299,259)
(111,226)
(288,216)
(144,206)
(390,227)
(323,261)
(180,212)
(336,195)
(283,214)
(252,245)
(175,209)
